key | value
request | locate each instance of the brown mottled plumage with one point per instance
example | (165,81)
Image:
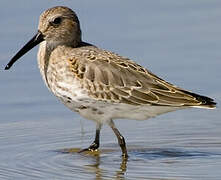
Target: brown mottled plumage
(99,73)
(99,84)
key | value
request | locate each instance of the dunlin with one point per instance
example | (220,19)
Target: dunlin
(98,84)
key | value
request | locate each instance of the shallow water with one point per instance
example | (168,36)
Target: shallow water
(179,41)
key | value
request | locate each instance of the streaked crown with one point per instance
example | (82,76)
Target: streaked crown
(60,26)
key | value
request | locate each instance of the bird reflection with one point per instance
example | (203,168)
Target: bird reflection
(101,173)
(97,162)
(102,164)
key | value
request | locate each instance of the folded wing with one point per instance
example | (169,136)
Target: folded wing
(110,77)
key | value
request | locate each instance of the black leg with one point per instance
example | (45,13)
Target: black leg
(121,140)
(95,145)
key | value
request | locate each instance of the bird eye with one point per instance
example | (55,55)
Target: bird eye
(57,20)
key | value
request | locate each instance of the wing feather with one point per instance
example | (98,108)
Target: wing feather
(110,77)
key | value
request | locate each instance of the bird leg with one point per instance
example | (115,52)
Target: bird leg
(95,145)
(121,140)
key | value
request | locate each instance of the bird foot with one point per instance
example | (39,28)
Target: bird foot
(92,148)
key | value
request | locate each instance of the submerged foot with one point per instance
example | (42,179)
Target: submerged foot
(93,147)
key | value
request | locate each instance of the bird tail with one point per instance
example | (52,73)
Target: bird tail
(206,102)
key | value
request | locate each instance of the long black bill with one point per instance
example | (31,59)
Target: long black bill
(32,43)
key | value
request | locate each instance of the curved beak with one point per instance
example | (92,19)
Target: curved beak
(32,43)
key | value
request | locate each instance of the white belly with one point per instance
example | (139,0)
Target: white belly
(102,111)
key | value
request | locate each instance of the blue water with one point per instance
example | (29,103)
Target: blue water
(177,40)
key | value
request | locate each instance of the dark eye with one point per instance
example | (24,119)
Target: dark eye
(57,20)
